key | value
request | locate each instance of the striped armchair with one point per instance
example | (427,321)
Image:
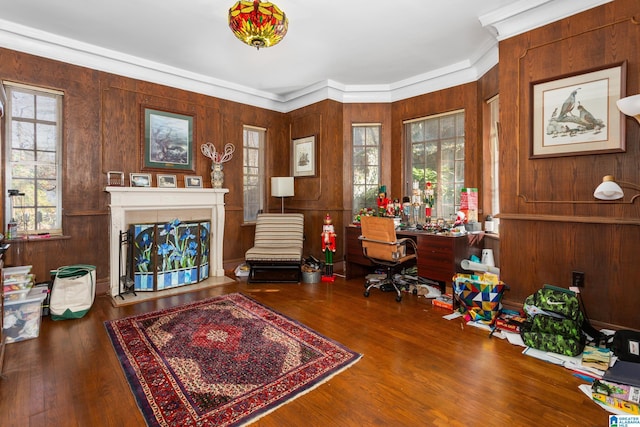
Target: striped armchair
(276,255)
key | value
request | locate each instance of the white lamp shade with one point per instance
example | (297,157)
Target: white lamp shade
(608,190)
(630,106)
(282,186)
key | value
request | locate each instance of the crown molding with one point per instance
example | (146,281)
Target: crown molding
(514,19)
(526,15)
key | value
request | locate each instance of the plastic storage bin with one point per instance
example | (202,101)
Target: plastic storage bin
(22,318)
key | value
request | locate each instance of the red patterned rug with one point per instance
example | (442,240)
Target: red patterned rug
(223,361)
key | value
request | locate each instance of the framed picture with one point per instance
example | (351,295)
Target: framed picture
(167,140)
(578,115)
(192,181)
(166,181)
(304,156)
(115,178)
(140,179)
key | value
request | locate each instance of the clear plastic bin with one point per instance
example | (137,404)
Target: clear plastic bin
(22,318)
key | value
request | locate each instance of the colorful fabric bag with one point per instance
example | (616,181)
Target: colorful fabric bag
(479,295)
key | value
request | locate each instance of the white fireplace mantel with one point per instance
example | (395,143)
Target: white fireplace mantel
(125,201)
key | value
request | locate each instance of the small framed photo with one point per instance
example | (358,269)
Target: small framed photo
(192,181)
(115,178)
(303,157)
(166,181)
(140,179)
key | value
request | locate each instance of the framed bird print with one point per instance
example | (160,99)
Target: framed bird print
(577,114)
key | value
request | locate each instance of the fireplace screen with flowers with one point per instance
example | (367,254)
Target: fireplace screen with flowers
(168,255)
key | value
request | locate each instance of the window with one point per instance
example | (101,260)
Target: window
(435,154)
(366,165)
(33,144)
(253,171)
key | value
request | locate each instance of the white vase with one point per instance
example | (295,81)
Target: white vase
(217,175)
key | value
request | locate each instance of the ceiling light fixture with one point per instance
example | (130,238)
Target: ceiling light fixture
(258,24)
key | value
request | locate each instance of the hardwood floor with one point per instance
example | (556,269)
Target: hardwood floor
(417,370)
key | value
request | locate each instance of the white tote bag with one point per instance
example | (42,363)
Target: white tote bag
(73,291)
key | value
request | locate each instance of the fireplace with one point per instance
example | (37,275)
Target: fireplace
(130,205)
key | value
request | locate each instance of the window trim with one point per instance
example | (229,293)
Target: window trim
(6,137)
(261,173)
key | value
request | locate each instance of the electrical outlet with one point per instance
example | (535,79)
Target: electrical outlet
(577,279)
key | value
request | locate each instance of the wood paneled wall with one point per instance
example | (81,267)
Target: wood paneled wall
(103,132)
(550,221)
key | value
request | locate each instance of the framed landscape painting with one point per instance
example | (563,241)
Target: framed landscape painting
(167,140)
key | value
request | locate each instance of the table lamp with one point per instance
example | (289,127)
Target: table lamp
(282,186)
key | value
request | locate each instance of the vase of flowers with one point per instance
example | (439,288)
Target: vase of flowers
(217,159)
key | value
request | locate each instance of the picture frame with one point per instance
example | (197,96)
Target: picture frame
(167,140)
(192,181)
(166,181)
(577,114)
(115,178)
(304,156)
(140,179)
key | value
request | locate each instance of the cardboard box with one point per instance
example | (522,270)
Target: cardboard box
(469,203)
(614,402)
(22,318)
(625,392)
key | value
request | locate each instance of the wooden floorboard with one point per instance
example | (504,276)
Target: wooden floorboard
(417,368)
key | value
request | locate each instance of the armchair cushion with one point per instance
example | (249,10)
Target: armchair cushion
(279,237)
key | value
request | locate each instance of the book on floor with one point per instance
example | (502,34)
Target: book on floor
(596,357)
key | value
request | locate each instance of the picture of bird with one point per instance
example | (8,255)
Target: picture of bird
(564,122)
(568,105)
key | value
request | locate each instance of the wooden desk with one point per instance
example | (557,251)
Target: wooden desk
(439,256)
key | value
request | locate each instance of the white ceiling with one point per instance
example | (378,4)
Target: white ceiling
(347,50)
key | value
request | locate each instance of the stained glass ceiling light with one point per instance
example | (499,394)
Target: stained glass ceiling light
(257,23)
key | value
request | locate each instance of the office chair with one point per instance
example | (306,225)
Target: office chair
(381,247)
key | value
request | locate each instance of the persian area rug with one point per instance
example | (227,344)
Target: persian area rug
(223,361)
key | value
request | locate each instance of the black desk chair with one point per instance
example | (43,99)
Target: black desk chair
(381,246)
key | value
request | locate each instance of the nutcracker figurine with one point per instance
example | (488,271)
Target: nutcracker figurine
(428,200)
(382,201)
(328,247)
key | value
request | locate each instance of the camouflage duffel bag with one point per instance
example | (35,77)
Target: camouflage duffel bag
(555,325)
(554,343)
(554,301)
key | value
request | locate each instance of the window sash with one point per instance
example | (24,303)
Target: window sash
(436,154)
(33,135)
(253,172)
(365,164)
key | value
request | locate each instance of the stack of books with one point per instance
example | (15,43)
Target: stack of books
(510,321)
(596,357)
(619,388)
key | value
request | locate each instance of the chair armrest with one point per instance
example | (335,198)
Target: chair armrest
(412,243)
(382,242)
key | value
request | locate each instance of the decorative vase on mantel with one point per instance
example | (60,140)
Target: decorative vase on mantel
(217,159)
(217,175)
